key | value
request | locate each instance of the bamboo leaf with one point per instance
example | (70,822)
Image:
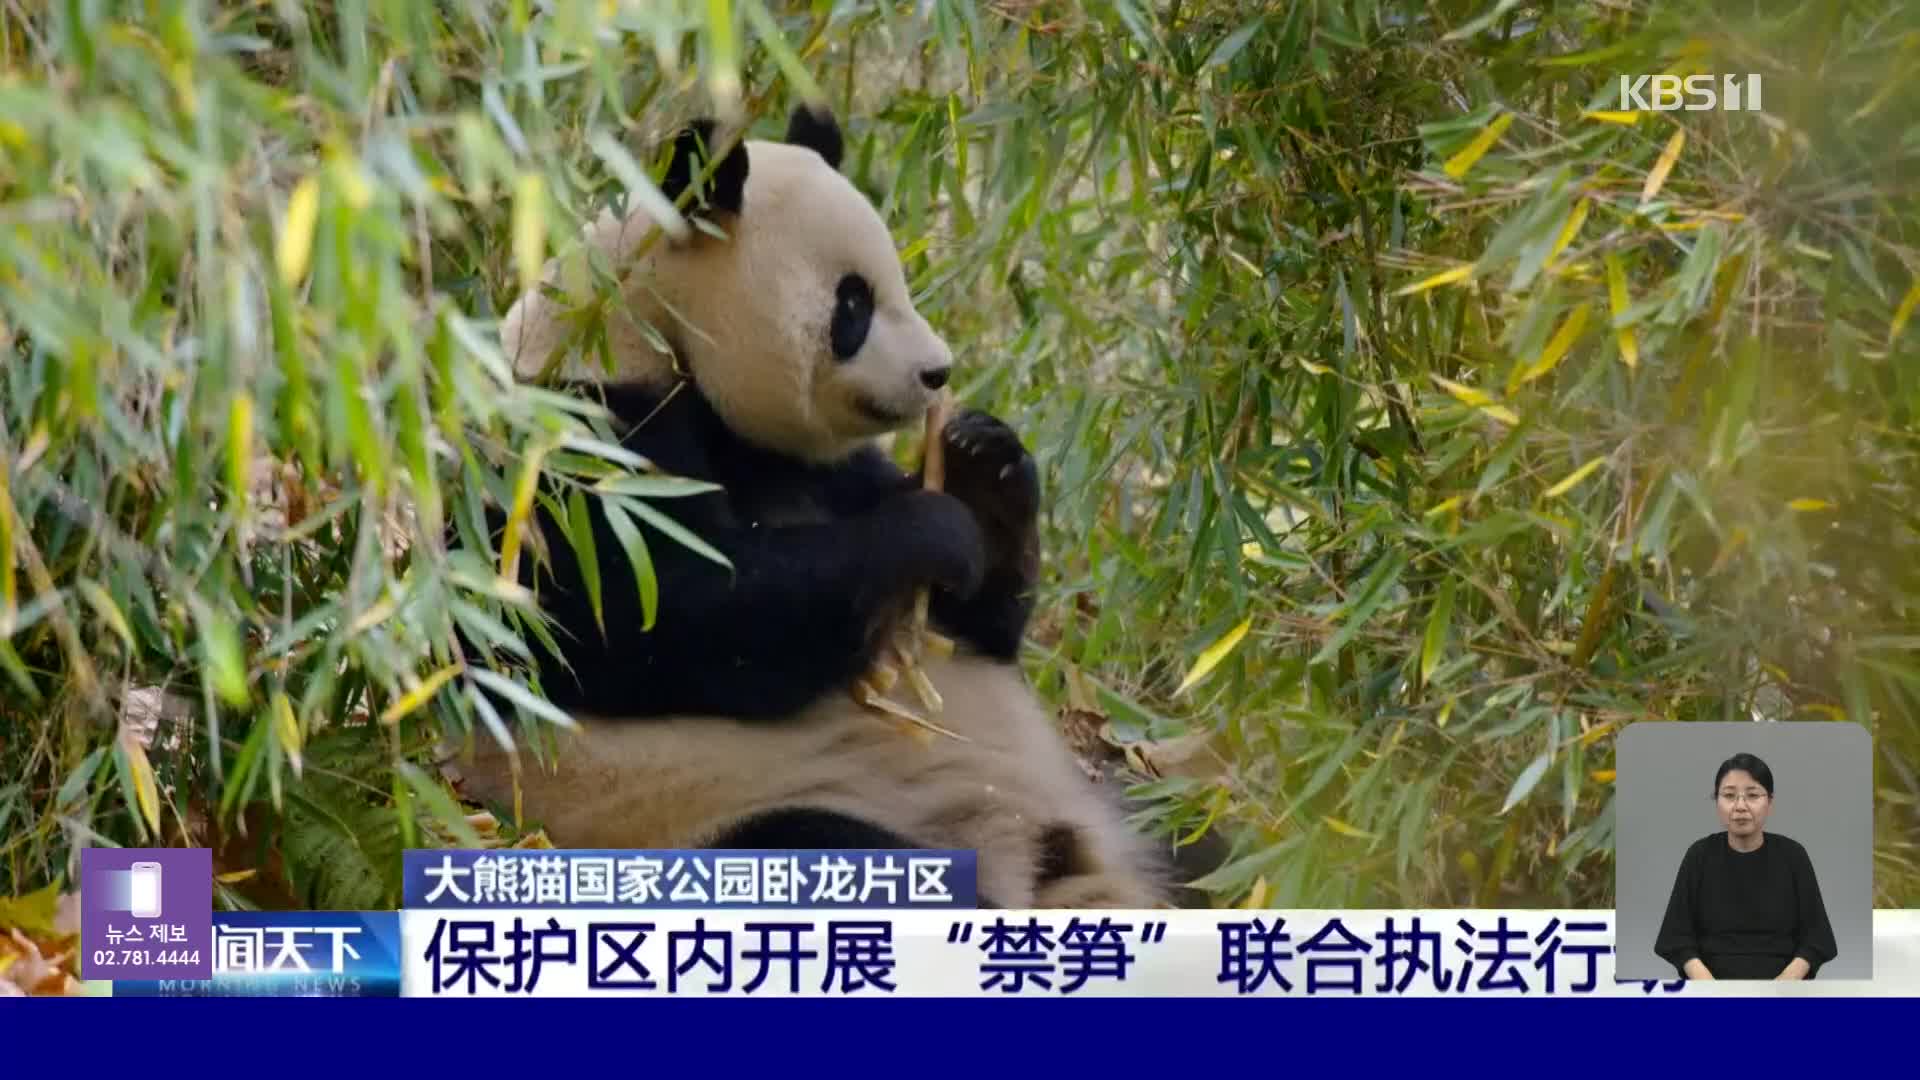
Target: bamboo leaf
(405,705)
(529,228)
(1212,655)
(295,248)
(640,560)
(679,533)
(1528,779)
(287,730)
(1372,593)
(655,487)
(587,554)
(1573,478)
(1458,165)
(520,696)
(146,790)
(1556,349)
(1436,635)
(1657,176)
(1904,312)
(109,612)
(1444,277)
(1618,301)
(640,187)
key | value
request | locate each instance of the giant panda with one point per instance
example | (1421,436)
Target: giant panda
(792,346)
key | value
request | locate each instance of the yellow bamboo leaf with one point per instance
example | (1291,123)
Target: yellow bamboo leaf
(1257,897)
(523,493)
(418,696)
(1657,179)
(286,729)
(1445,506)
(296,232)
(240,446)
(1808,505)
(1214,653)
(145,791)
(1618,300)
(1345,829)
(1503,414)
(1575,477)
(1903,313)
(1602,776)
(1446,711)
(1468,395)
(108,611)
(1571,229)
(373,616)
(235,877)
(1317,369)
(1458,164)
(529,228)
(1629,117)
(352,179)
(1563,340)
(1444,277)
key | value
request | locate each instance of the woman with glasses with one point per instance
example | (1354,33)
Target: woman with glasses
(1745,904)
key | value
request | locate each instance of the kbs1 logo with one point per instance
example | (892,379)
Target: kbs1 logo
(1695,93)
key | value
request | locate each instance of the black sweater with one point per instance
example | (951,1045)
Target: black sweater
(1746,914)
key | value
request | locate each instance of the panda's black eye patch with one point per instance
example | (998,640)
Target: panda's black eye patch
(852,315)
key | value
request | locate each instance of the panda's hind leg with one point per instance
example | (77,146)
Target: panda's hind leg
(807,828)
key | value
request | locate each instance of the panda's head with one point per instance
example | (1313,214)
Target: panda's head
(797,324)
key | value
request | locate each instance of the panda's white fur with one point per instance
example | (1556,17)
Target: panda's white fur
(748,322)
(747,315)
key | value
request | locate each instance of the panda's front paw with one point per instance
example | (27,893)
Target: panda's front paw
(990,471)
(933,539)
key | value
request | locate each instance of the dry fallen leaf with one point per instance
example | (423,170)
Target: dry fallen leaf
(40,945)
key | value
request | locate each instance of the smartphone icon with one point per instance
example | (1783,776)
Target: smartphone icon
(145,881)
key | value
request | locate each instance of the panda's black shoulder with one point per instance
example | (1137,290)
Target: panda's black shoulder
(679,432)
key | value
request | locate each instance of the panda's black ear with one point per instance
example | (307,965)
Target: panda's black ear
(725,190)
(815,128)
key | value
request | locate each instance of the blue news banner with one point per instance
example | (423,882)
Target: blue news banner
(905,924)
(545,923)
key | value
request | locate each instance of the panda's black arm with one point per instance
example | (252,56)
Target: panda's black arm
(866,479)
(993,619)
(800,613)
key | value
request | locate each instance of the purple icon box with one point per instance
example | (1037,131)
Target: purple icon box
(146,913)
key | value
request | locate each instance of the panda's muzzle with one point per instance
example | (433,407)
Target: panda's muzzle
(880,413)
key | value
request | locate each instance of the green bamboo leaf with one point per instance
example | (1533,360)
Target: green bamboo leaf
(1436,635)
(654,487)
(639,559)
(1366,600)
(678,532)
(440,803)
(799,79)
(1231,45)
(1528,779)
(586,554)
(521,696)
(226,669)
(640,187)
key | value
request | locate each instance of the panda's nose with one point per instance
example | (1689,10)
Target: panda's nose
(935,378)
